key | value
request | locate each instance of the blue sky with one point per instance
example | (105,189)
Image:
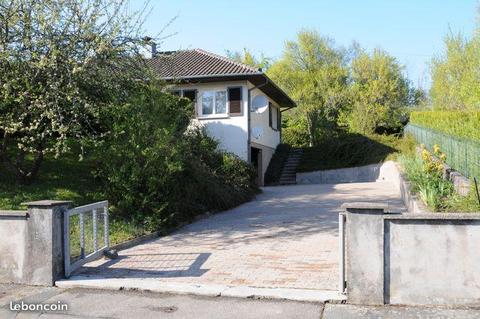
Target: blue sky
(410,30)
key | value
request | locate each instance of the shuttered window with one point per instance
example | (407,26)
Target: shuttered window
(270,114)
(190,94)
(279,119)
(235,101)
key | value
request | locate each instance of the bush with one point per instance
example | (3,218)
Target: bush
(274,170)
(158,172)
(427,182)
(457,123)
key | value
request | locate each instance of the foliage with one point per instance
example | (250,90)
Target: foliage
(64,178)
(159,171)
(464,124)
(455,74)
(274,170)
(429,184)
(352,149)
(61,61)
(380,93)
(336,88)
(314,73)
(247,57)
(425,172)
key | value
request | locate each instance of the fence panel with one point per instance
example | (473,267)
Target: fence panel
(86,234)
(463,155)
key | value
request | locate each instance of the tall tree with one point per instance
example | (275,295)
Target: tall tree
(379,91)
(248,58)
(314,73)
(455,74)
(61,62)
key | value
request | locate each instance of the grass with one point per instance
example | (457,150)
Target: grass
(66,178)
(351,149)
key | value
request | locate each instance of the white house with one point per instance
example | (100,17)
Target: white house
(237,104)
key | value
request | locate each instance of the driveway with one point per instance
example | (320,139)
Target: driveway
(286,238)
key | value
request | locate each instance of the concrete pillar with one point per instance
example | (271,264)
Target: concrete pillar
(364,238)
(44,242)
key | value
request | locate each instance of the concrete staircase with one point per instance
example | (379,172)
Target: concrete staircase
(289,171)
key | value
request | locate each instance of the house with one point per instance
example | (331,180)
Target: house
(238,105)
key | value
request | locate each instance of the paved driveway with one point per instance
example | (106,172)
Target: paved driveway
(286,238)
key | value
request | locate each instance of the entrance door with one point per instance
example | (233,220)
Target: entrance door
(256,155)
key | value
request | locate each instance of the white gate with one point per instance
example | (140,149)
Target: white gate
(75,221)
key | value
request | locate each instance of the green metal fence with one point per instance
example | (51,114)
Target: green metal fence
(463,155)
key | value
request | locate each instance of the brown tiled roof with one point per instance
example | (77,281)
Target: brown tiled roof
(201,66)
(197,63)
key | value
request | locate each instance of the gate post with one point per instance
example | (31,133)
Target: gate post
(44,255)
(364,232)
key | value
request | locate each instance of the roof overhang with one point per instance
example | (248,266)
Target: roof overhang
(263,82)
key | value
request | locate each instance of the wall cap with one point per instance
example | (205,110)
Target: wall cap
(47,203)
(435,216)
(13,213)
(364,206)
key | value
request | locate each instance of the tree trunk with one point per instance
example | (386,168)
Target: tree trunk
(23,176)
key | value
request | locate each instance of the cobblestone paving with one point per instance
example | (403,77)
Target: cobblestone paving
(286,238)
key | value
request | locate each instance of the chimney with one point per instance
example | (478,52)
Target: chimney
(154,48)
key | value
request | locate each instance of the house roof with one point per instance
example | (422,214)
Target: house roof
(201,66)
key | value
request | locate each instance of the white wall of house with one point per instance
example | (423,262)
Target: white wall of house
(269,136)
(231,131)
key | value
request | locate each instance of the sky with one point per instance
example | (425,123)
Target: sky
(410,30)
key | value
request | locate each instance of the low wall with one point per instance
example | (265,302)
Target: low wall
(412,259)
(13,234)
(386,171)
(31,245)
(361,174)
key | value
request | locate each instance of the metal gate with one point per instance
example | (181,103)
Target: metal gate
(81,234)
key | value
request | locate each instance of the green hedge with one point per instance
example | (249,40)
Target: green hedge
(457,123)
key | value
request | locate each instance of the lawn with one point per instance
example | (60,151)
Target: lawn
(350,150)
(66,178)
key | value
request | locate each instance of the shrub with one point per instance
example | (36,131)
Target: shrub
(426,175)
(458,123)
(158,172)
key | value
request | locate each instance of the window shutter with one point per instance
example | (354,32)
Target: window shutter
(235,100)
(190,94)
(270,114)
(279,119)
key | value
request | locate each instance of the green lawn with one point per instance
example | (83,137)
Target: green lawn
(350,150)
(65,179)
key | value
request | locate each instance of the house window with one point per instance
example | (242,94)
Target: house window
(214,102)
(273,117)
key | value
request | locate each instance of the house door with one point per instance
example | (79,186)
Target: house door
(256,155)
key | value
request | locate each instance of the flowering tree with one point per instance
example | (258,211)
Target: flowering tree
(61,62)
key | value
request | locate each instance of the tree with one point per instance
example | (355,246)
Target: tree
(455,74)
(314,72)
(246,57)
(61,62)
(380,92)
